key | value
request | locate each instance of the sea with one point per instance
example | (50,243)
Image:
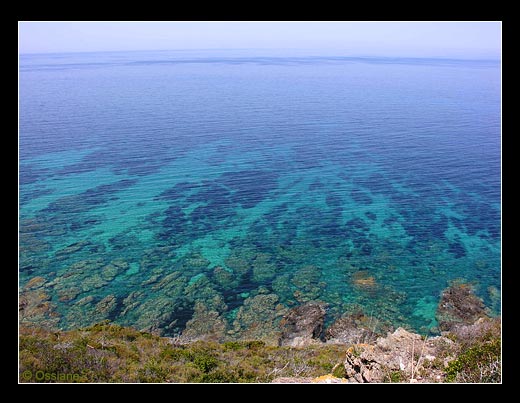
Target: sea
(209,192)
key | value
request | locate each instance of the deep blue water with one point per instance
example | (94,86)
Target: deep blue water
(164,190)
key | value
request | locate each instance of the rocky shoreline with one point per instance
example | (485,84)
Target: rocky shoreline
(402,355)
(357,349)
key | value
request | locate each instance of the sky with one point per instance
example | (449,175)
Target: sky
(398,39)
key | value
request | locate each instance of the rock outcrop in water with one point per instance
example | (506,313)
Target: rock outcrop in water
(459,306)
(303,325)
(353,328)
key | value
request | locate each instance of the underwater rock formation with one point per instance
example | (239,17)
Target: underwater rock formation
(307,283)
(363,280)
(35,307)
(225,278)
(263,269)
(206,324)
(258,318)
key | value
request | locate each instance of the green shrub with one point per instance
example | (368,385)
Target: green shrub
(219,376)
(233,345)
(241,345)
(339,371)
(479,363)
(205,362)
(153,371)
(174,354)
(255,344)
(396,377)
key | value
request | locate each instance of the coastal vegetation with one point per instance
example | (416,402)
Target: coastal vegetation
(350,350)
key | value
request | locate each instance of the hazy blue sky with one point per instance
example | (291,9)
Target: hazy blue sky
(442,39)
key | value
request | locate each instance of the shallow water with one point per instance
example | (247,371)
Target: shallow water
(162,187)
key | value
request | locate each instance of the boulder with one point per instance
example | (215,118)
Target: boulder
(352,329)
(401,352)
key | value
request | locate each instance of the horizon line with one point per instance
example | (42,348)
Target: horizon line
(336,53)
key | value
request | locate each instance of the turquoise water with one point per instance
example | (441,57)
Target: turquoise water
(174,192)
